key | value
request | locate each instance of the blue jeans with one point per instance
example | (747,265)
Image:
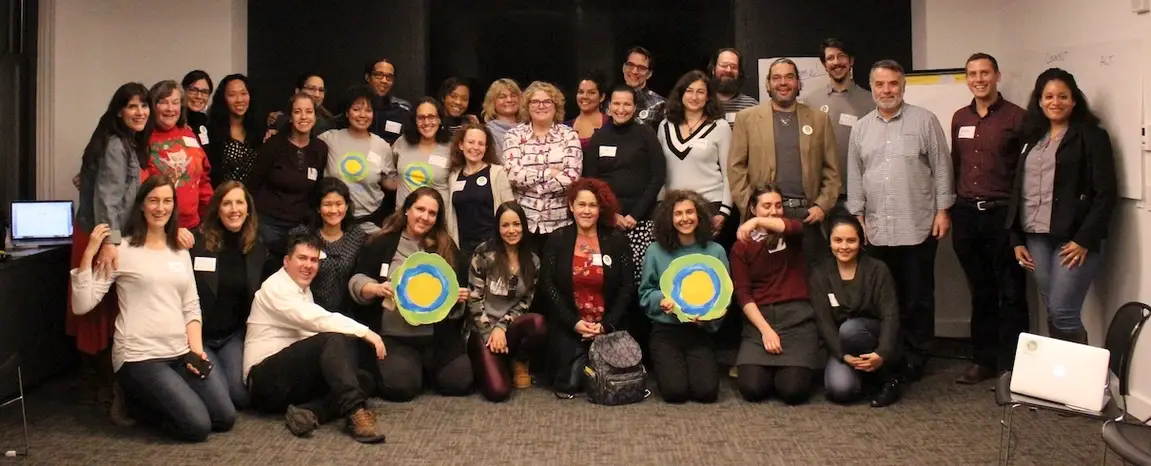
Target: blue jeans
(227,355)
(188,407)
(857,336)
(1063,289)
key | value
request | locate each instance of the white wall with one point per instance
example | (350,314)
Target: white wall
(89,48)
(947,31)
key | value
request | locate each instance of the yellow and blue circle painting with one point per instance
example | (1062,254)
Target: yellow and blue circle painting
(699,285)
(417,175)
(425,287)
(353,167)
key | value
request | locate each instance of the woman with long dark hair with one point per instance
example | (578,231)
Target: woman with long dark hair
(479,185)
(340,242)
(437,349)
(502,279)
(157,351)
(589,98)
(1065,194)
(235,129)
(422,155)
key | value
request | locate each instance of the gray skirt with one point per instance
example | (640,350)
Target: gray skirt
(794,322)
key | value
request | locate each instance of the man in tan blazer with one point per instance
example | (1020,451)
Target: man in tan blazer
(792,146)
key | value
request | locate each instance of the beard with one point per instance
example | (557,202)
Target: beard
(889,105)
(781,100)
(727,86)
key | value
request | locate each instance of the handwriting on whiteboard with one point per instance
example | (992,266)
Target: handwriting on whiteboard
(1056,57)
(1105,60)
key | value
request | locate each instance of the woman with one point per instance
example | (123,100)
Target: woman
(198,86)
(455,95)
(421,156)
(340,240)
(413,351)
(682,354)
(236,129)
(479,186)
(313,85)
(586,280)
(629,158)
(362,160)
(589,99)
(695,140)
(174,152)
(109,178)
(857,312)
(780,348)
(227,260)
(503,282)
(1065,193)
(157,351)
(501,109)
(543,158)
(288,167)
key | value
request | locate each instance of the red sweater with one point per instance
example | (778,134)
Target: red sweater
(764,277)
(177,154)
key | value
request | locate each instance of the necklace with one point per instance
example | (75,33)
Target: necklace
(786,121)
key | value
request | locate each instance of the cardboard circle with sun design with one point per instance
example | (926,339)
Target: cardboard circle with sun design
(354,167)
(425,288)
(417,175)
(699,285)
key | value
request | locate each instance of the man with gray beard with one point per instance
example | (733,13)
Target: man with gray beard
(726,70)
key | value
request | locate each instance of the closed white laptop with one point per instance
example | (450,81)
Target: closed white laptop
(1061,372)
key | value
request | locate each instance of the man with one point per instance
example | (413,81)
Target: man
(295,349)
(899,186)
(390,113)
(984,150)
(842,100)
(649,106)
(726,69)
(791,145)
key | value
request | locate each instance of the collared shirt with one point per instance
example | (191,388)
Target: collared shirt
(985,150)
(899,175)
(1039,186)
(845,108)
(735,104)
(527,159)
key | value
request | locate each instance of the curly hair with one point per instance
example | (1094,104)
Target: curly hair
(457,158)
(213,229)
(411,131)
(675,111)
(664,220)
(608,205)
(552,91)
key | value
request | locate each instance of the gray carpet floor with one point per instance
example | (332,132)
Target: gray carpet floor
(937,423)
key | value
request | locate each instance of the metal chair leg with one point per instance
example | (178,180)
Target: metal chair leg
(1010,424)
(23,411)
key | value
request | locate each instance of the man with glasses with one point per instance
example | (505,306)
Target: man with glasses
(727,76)
(389,112)
(792,146)
(649,106)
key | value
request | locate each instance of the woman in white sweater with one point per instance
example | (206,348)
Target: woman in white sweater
(157,349)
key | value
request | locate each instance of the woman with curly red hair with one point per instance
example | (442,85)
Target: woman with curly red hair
(586,279)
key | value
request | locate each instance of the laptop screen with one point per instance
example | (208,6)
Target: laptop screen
(33,220)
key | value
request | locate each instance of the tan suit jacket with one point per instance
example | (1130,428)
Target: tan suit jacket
(752,156)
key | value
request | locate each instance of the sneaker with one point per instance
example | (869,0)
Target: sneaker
(300,421)
(520,375)
(118,412)
(362,427)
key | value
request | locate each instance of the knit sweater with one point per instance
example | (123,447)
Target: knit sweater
(698,162)
(628,158)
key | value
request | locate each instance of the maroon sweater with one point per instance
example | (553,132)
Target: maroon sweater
(764,277)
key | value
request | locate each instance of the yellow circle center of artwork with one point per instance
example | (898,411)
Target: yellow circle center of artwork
(423,289)
(418,177)
(697,288)
(353,166)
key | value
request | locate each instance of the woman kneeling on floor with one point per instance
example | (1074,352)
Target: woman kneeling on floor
(780,348)
(682,354)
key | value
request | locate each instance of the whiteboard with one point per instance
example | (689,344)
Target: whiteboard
(811,73)
(941,93)
(1110,76)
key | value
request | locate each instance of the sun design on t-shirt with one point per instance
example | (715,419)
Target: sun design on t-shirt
(354,167)
(417,175)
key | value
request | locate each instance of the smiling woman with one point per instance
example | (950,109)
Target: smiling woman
(236,129)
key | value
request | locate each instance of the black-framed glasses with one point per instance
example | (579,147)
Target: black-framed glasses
(383,75)
(198,91)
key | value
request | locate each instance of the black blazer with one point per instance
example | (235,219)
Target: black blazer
(1085,191)
(208,283)
(555,282)
(380,251)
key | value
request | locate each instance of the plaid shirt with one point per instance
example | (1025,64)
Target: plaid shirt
(527,159)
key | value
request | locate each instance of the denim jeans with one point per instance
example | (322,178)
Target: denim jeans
(857,336)
(1063,289)
(188,407)
(227,354)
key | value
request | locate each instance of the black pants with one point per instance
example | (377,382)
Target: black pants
(320,373)
(568,354)
(815,244)
(728,335)
(913,268)
(441,358)
(683,358)
(792,384)
(999,310)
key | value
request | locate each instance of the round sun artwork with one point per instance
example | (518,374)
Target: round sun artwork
(426,288)
(699,285)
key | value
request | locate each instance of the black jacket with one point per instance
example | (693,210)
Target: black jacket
(208,282)
(380,251)
(555,282)
(1085,191)
(634,166)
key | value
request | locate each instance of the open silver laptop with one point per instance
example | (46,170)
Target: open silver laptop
(41,223)
(1061,372)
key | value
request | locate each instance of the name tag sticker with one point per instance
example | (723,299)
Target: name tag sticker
(375,159)
(498,288)
(393,127)
(204,134)
(607,151)
(730,117)
(176,267)
(831,298)
(597,259)
(323,255)
(847,119)
(204,264)
(384,270)
(966,132)
(438,160)
(459,185)
(190,141)
(313,174)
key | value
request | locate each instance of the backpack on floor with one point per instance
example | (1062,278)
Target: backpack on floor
(615,372)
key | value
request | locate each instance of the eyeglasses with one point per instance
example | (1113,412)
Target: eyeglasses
(727,66)
(541,103)
(315,89)
(635,67)
(427,117)
(198,91)
(384,76)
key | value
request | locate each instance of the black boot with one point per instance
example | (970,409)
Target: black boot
(891,390)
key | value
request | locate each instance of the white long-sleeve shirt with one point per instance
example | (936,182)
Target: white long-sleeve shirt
(284,313)
(156,293)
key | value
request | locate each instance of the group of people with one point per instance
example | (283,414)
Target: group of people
(226,260)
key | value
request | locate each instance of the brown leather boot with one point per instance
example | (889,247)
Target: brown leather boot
(362,426)
(521,377)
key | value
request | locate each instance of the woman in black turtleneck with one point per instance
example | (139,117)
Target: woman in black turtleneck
(227,259)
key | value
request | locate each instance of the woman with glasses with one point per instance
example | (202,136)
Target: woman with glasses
(285,175)
(422,157)
(235,128)
(198,87)
(313,85)
(589,99)
(502,109)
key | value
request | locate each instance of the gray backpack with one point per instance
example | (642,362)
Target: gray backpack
(615,372)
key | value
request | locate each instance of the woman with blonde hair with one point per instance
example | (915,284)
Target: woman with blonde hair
(501,110)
